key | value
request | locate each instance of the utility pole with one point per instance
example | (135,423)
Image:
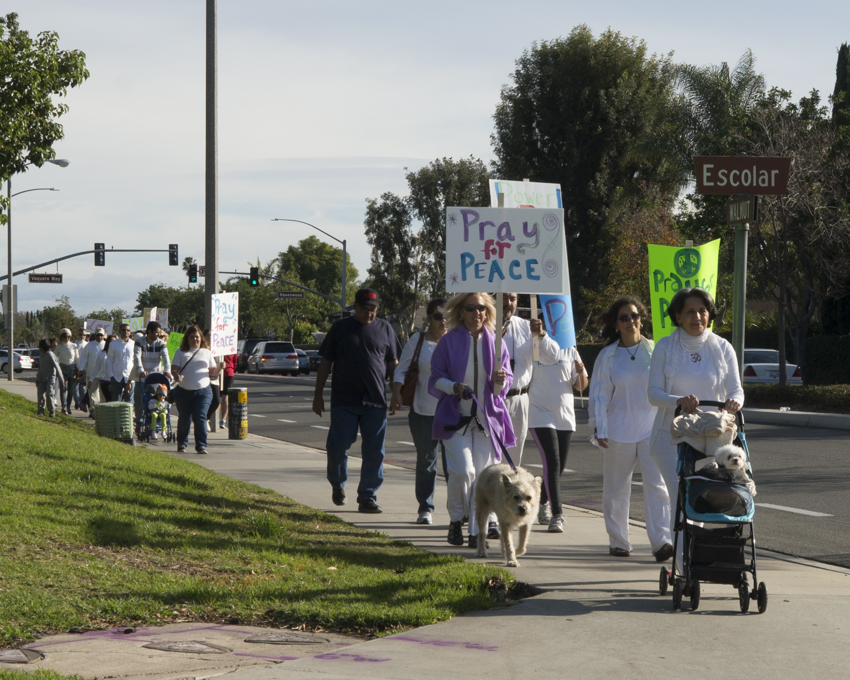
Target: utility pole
(211,203)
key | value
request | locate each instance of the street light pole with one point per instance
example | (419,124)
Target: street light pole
(9,304)
(342,302)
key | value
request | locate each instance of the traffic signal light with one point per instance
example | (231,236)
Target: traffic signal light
(99,254)
(254,278)
(172,255)
(193,273)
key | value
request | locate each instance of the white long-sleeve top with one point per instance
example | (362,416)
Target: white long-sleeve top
(101,367)
(88,357)
(550,396)
(476,347)
(517,339)
(120,359)
(423,403)
(618,407)
(704,366)
(67,353)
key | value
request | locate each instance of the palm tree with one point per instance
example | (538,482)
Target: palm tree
(186,263)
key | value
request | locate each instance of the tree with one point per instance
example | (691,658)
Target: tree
(434,187)
(841,92)
(591,115)
(114,315)
(185,305)
(188,262)
(34,75)
(801,244)
(318,265)
(397,266)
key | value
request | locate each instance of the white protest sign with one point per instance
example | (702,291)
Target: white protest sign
(225,324)
(526,194)
(162,316)
(505,250)
(150,313)
(93,324)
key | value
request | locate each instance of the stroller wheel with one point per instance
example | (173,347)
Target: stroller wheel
(663,580)
(762,597)
(694,595)
(744,596)
(678,586)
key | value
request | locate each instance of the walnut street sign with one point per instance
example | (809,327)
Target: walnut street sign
(742,174)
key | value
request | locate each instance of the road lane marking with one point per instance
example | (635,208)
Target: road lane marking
(408,443)
(269,394)
(257,415)
(541,467)
(284,420)
(798,511)
(320,427)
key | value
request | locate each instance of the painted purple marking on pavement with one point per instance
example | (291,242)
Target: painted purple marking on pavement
(270,658)
(445,643)
(119,634)
(348,657)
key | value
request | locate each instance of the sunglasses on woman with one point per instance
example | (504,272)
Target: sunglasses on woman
(625,318)
(438,316)
(474,308)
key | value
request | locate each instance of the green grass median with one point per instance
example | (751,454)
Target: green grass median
(94,534)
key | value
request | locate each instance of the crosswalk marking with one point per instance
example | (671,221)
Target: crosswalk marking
(797,511)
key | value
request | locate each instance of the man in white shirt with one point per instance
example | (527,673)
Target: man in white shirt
(88,361)
(517,334)
(120,359)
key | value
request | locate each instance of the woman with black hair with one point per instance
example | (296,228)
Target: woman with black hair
(622,417)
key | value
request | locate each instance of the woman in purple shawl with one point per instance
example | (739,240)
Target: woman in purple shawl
(461,365)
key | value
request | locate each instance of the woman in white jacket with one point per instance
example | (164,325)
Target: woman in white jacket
(690,364)
(622,418)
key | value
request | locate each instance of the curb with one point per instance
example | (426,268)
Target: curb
(831,421)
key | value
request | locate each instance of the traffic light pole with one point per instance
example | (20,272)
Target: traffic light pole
(85,252)
(291,283)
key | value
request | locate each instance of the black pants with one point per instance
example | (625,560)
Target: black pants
(215,403)
(554,446)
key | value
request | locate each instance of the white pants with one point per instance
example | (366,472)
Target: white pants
(94,394)
(517,407)
(620,462)
(667,463)
(466,456)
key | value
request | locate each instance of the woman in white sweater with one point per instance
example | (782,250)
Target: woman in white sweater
(689,365)
(622,418)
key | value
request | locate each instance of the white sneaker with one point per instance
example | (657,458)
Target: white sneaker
(153,435)
(544,514)
(222,424)
(556,526)
(425,517)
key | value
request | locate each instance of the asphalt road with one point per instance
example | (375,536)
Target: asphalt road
(802,474)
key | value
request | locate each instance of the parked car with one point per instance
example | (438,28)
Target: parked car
(315,358)
(244,349)
(21,361)
(272,356)
(762,366)
(303,361)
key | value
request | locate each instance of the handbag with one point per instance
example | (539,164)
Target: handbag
(408,388)
(171,392)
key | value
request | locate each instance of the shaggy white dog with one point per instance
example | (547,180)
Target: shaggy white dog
(514,495)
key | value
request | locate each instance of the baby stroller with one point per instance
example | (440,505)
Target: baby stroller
(716,554)
(153,382)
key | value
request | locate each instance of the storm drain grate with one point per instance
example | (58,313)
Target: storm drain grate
(20,656)
(193,647)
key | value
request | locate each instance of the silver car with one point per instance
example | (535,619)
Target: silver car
(21,361)
(272,356)
(762,366)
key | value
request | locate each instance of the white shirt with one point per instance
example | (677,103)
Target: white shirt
(517,339)
(448,386)
(423,403)
(119,358)
(66,352)
(550,397)
(101,366)
(88,358)
(195,375)
(630,415)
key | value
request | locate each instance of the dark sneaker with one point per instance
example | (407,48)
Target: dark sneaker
(493,530)
(370,507)
(665,552)
(201,452)
(473,541)
(338,496)
(455,533)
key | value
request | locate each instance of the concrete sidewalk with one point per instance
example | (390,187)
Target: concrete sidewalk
(598,617)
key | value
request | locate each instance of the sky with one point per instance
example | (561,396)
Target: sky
(322,105)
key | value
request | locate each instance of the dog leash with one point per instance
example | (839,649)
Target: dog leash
(467,394)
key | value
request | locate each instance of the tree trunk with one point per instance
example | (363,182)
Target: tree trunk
(780,327)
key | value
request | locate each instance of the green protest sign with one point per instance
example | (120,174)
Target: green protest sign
(670,270)
(174,340)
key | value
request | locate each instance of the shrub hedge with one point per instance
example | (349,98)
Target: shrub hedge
(827,360)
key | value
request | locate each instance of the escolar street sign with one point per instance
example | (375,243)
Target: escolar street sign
(742,174)
(45,278)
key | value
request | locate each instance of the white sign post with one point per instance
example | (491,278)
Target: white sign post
(224,330)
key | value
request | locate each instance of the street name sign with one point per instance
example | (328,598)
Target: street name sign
(740,210)
(742,174)
(45,278)
(290,295)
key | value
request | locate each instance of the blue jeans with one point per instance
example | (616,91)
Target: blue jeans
(66,389)
(192,406)
(117,390)
(421,428)
(372,422)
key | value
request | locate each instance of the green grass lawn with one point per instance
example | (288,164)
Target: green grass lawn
(94,533)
